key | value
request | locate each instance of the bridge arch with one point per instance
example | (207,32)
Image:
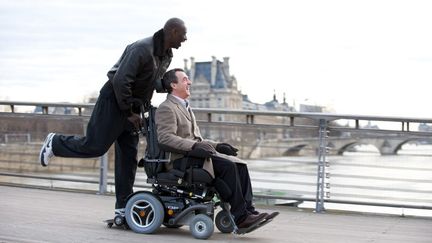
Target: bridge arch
(347,146)
(294,150)
(399,145)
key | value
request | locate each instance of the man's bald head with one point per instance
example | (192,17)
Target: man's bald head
(173,23)
(175,33)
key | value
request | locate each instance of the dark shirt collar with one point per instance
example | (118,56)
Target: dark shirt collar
(158,41)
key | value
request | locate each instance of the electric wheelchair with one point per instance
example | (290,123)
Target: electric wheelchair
(184,195)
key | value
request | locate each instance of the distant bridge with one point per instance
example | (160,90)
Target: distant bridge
(385,145)
(335,138)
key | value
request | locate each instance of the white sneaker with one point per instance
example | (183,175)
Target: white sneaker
(46,152)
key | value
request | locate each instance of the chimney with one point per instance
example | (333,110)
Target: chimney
(213,71)
(192,69)
(185,64)
(226,67)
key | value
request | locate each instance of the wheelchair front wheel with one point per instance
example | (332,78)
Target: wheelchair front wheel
(144,213)
(223,222)
(201,226)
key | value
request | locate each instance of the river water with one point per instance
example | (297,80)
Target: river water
(363,176)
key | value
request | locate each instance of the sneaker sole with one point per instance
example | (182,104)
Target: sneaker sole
(43,149)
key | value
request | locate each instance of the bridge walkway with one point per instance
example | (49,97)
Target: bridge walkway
(32,215)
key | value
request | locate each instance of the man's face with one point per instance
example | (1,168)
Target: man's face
(178,36)
(182,87)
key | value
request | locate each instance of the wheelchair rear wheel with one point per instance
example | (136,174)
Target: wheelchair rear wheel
(144,213)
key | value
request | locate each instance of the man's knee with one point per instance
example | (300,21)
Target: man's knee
(241,167)
(224,191)
(229,165)
(97,151)
(225,167)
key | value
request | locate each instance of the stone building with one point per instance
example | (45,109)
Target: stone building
(214,87)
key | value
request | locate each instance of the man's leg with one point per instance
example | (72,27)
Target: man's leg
(246,186)
(125,166)
(105,125)
(227,171)
(247,191)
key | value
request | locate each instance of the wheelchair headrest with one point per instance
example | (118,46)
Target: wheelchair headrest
(159,86)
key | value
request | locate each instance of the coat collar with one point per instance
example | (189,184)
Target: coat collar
(179,105)
(158,42)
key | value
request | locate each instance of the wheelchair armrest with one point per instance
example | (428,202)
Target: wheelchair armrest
(153,166)
(157,160)
(146,160)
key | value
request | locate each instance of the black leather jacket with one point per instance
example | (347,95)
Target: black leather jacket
(140,65)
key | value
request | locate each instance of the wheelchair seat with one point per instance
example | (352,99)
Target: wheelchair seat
(155,159)
(192,176)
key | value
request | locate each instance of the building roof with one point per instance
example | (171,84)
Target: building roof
(204,69)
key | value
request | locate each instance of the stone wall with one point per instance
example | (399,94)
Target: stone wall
(22,135)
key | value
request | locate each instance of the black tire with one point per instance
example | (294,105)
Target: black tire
(201,226)
(144,213)
(119,220)
(223,222)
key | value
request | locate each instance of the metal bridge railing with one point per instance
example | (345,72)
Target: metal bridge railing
(275,129)
(13,106)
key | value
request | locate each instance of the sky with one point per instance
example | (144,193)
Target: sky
(354,57)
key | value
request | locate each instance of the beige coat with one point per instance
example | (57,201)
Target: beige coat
(177,129)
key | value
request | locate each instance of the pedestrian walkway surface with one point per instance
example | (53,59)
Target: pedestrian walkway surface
(33,215)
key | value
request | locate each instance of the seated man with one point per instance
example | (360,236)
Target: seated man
(179,134)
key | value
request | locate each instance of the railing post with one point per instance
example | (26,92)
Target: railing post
(322,163)
(291,121)
(45,110)
(103,174)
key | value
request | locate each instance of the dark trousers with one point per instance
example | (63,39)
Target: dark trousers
(107,125)
(237,178)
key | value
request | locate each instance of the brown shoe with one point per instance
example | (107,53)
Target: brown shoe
(272,215)
(268,217)
(251,220)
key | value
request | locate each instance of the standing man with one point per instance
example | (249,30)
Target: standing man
(116,113)
(179,134)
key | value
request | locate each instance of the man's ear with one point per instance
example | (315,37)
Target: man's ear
(173,33)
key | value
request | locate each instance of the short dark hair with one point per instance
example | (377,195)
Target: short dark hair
(170,77)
